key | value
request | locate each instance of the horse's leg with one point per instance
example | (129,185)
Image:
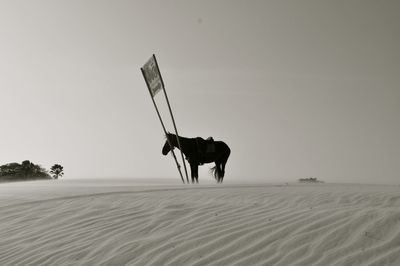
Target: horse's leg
(215,171)
(193,170)
(222,170)
(223,163)
(218,171)
(221,174)
(197,174)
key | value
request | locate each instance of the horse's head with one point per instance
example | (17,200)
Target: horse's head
(166,148)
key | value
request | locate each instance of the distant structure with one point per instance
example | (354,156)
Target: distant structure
(310,180)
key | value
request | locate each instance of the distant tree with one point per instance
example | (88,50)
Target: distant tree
(27,168)
(57,171)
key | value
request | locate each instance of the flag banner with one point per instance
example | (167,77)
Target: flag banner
(152,76)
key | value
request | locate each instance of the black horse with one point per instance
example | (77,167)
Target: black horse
(199,151)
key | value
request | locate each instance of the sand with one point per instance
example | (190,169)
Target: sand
(165,223)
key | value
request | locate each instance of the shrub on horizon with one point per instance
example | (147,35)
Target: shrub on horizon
(24,171)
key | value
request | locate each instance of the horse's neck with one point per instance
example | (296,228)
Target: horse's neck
(182,141)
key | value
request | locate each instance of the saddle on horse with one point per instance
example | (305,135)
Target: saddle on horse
(205,148)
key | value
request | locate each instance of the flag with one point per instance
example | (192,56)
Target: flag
(152,76)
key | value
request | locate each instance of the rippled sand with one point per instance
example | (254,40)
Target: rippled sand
(138,223)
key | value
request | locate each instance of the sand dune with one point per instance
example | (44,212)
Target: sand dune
(134,223)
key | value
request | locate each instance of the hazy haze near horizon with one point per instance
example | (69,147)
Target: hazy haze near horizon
(295,88)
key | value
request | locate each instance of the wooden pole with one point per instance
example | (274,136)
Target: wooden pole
(172,116)
(163,126)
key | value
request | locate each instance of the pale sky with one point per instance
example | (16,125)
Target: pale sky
(295,88)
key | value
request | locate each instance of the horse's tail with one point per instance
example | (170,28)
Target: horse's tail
(216,172)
